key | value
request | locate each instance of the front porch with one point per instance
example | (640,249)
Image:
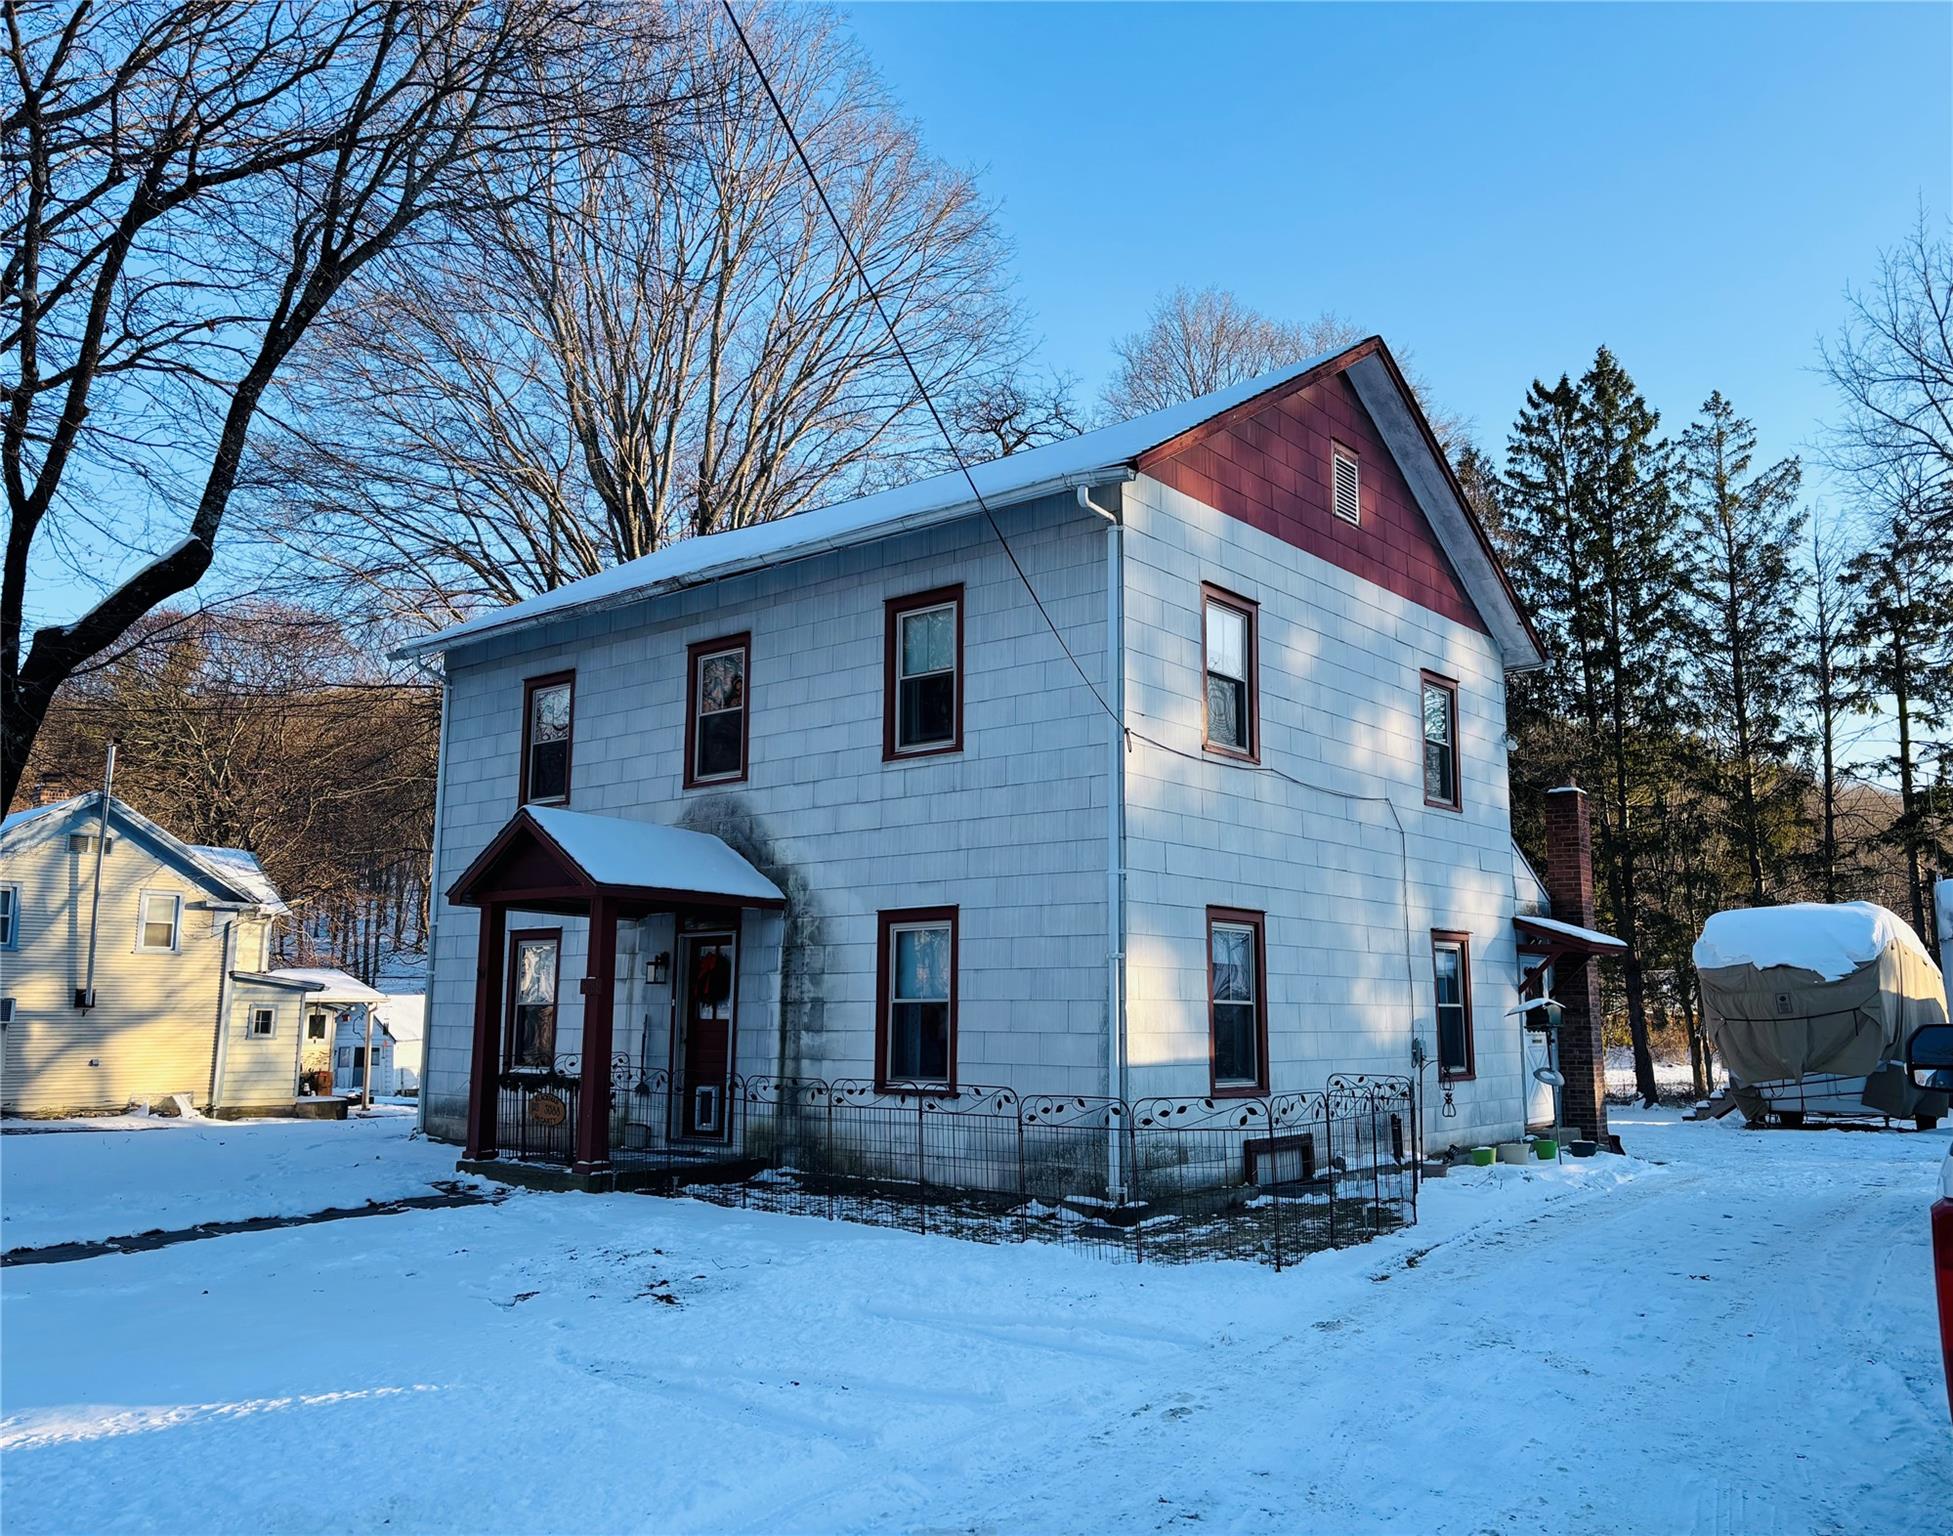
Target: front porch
(597,1111)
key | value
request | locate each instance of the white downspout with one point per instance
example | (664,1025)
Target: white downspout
(219,1056)
(433,907)
(1115,835)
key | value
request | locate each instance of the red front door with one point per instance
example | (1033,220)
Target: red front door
(706,1070)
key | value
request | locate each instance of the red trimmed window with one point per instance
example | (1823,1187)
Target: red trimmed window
(1237,1001)
(547,704)
(1229,647)
(915,1027)
(1439,709)
(716,711)
(922,705)
(1451,969)
(535,956)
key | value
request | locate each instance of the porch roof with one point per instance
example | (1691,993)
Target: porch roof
(1538,934)
(547,859)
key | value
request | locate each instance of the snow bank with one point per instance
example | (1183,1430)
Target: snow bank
(79,1185)
(1830,940)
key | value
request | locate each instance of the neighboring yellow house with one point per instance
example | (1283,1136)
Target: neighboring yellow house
(181,1000)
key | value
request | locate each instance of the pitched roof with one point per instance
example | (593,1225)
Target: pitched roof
(332,985)
(231,870)
(1092,458)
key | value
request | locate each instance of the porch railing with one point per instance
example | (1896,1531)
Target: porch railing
(1264,1178)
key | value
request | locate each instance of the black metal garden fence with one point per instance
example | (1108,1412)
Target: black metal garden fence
(1264,1178)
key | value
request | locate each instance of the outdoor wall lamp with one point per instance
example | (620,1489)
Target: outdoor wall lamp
(659,972)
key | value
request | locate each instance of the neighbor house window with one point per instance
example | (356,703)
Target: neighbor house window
(716,708)
(1237,1008)
(1345,489)
(1451,964)
(1228,648)
(315,1024)
(546,727)
(1440,711)
(264,1023)
(9,916)
(922,707)
(157,920)
(533,960)
(917,996)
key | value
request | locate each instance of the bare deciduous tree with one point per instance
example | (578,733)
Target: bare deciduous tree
(1197,341)
(683,348)
(190,185)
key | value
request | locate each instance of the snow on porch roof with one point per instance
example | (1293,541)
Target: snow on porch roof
(641,859)
(1092,458)
(1568,935)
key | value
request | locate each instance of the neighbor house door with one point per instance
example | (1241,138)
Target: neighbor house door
(706,1034)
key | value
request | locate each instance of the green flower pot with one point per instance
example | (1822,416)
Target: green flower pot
(1546,1149)
(1482,1157)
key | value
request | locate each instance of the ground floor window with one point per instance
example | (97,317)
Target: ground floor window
(1237,991)
(1452,971)
(533,967)
(916,1027)
(315,1024)
(264,1023)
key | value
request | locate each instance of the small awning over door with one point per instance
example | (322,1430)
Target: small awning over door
(1549,936)
(552,860)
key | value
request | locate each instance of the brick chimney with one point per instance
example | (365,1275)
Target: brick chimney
(1576,984)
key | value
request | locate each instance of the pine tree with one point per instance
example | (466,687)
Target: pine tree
(1589,493)
(1744,529)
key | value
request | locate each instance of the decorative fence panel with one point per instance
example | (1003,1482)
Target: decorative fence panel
(1266,1179)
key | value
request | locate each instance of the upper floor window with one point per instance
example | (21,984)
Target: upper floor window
(1440,712)
(1452,973)
(1237,1013)
(1345,487)
(157,921)
(1228,649)
(917,1024)
(922,707)
(716,710)
(264,1023)
(546,724)
(9,916)
(532,998)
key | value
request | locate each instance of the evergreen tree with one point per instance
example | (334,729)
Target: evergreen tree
(1830,694)
(1589,493)
(1744,530)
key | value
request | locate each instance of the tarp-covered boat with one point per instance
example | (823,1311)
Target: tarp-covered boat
(1810,1007)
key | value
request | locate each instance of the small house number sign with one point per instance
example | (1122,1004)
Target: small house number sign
(547,1109)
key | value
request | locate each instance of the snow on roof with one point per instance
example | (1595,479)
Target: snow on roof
(1088,458)
(1833,941)
(232,869)
(242,869)
(335,986)
(1572,931)
(614,851)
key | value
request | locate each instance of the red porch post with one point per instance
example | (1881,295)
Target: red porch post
(599,989)
(484,1065)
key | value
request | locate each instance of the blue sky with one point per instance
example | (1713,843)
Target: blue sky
(1497,189)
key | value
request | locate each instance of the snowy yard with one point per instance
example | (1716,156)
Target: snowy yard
(79,1180)
(1731,1331)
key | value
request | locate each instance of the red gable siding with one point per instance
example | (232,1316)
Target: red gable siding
(1271,470)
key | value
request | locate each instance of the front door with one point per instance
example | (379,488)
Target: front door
(705,1071)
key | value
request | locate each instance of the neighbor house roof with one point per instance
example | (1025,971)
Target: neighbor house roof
(232,870)
(334,986)
(1092,458)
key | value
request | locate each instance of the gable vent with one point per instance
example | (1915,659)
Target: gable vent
(1344,501)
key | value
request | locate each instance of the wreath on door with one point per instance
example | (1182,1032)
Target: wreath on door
(711,977)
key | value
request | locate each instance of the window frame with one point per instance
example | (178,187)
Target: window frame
(326,1030)
(695,655)
(530,687)
(894,610)
(516,937)
(1462,942)
(1250,611)
(269,1011)
(1338,449)
(11,892)
(175,945)
(1426,678)
(886,923)
(1237,917)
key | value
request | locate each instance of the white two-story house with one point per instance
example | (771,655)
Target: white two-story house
(1167,760)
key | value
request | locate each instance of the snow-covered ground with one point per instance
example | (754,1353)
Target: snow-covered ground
(1675,1080)
(1729,1331)
(79,1180)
